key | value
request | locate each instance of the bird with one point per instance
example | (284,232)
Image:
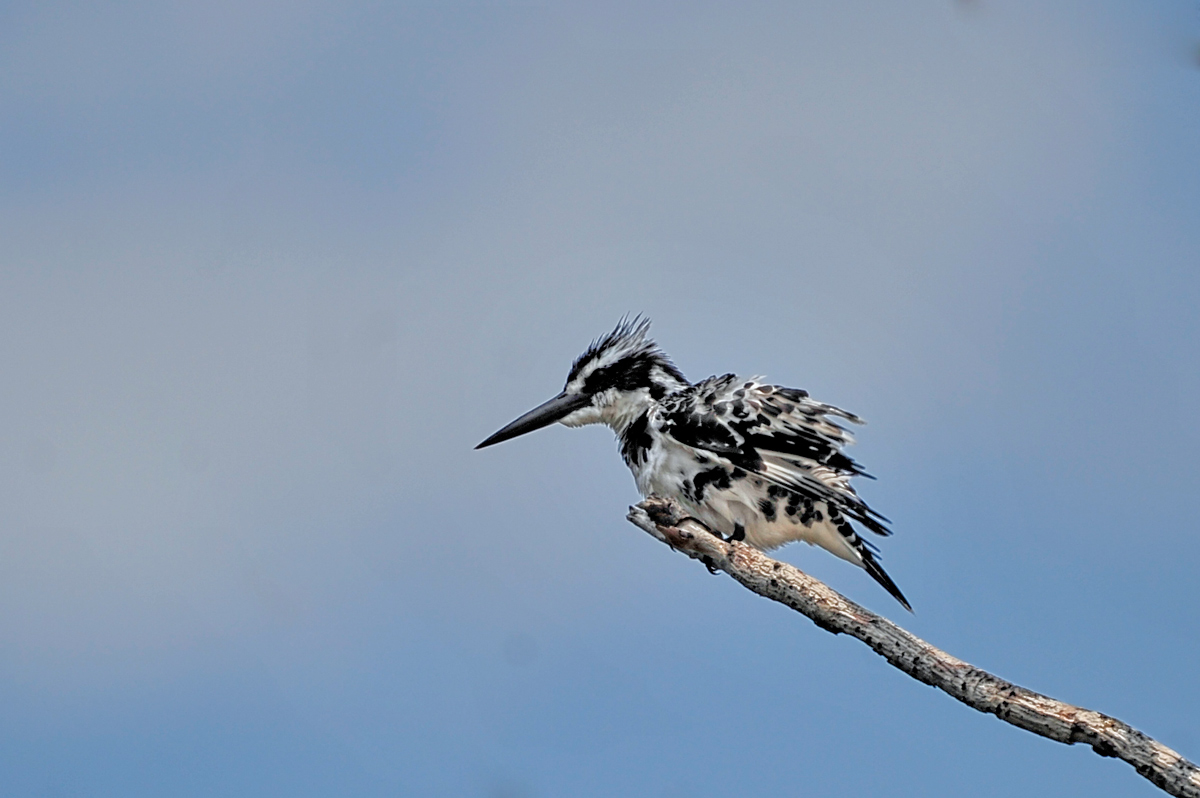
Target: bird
(754,462)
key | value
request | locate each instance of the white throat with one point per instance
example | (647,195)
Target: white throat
(617,409)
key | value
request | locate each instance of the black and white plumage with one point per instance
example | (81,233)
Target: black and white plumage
(752,461)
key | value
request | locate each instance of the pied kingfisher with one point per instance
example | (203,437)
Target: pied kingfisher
(752,461)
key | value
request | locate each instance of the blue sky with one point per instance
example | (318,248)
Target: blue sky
(269,271)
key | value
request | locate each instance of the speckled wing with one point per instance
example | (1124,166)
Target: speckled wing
(778,433)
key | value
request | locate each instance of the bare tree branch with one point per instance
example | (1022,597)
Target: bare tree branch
(828,609)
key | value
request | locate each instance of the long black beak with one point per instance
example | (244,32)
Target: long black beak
(541,416)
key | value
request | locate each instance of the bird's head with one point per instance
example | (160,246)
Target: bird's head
(612,383)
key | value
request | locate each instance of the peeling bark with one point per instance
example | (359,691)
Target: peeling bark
(833,612)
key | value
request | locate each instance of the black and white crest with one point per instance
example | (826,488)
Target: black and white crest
(753,461)
(626,359)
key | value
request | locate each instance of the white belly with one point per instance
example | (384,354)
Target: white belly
(670,470)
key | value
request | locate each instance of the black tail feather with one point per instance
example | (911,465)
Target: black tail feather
(866,553)
(877,573)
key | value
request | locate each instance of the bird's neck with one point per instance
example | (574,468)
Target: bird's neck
(626,408)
